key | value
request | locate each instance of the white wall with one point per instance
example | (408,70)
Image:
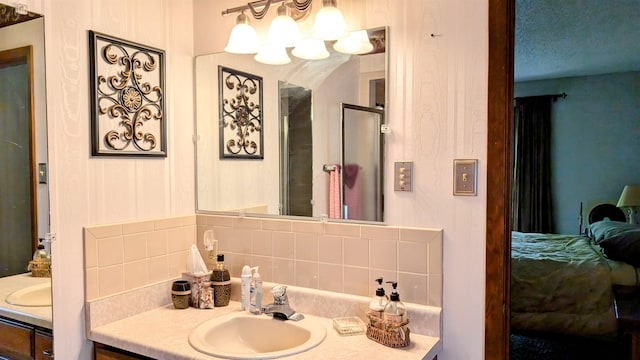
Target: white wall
(437,112)
(87,190)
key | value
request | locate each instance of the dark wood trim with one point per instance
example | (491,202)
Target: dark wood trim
(500,112)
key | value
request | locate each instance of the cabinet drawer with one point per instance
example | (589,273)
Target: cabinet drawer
(104,352)
(15,339)
(43,345)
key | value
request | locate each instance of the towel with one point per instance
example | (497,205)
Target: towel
(352,196)
(334,193)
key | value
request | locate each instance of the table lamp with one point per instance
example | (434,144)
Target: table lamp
(630,199)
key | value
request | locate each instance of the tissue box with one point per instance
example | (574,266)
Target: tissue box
(196,280)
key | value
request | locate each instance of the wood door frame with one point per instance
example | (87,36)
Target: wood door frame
(499,169)
(16,56)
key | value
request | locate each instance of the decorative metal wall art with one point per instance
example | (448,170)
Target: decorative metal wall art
(127,102)
(241,116)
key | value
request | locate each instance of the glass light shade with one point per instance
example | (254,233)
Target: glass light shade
(310,49)
(284,31)
(356,43)
(243,38)
(329,24)
(273,55)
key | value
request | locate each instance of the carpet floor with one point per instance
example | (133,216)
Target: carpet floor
(553,347)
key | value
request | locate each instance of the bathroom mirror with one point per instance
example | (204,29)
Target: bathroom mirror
(301,105)
(24,194)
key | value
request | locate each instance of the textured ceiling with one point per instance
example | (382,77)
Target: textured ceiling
(562,38)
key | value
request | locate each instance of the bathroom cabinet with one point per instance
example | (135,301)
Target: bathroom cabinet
(104,352)
(20,340)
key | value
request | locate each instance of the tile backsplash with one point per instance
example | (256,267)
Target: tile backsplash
(338,257)
(127,256)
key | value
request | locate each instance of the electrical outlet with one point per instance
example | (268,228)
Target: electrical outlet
(465,177)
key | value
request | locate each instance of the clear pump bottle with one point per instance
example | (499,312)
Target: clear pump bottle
(40,253)
(395,311)
(379,301)
(256,292)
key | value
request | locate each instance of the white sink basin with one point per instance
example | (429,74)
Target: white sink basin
(34,295)
(242,335)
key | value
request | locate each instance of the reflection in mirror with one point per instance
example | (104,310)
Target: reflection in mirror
(25,296)
(24,205)
(296,150)
(362,162)
(301,104)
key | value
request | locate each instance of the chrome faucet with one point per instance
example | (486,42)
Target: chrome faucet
(280,307)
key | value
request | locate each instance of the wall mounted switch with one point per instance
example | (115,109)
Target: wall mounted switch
(42,173)
(403,176)
(465,177)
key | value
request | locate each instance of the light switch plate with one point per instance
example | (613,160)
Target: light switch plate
(403,176)
(42,173)
(465,177)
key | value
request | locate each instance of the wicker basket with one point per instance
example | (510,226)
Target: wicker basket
(390,334)
(40,268)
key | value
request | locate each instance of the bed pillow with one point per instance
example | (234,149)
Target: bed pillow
(624,246)
(603,229)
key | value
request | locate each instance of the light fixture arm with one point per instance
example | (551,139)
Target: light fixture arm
(260,8)
(302,5)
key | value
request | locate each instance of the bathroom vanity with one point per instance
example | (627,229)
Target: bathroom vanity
(163,331)
(25,331)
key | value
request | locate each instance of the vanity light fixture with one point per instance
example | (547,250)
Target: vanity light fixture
(310,49)
(356,43)
(243,38)
(284,30)
(329,23)
(272,54)
(20,8)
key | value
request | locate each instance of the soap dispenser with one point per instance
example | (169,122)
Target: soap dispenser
(395,311)
(221,281)
(378,302)
(40,254)
(256,292)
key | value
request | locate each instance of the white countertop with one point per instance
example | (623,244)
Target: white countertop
(35,315)
(163,333)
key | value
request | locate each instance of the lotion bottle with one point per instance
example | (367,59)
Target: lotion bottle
(256,292)
(245,286)
(378,302)
(221,281)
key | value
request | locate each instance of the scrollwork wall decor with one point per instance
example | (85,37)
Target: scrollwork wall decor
(241,116)
(127,103)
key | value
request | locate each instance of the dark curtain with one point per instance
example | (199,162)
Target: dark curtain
(531,188)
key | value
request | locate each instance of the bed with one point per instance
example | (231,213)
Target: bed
(563,283)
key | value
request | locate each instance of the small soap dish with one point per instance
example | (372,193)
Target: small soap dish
(349,325)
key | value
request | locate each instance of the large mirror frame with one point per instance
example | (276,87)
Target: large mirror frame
(253,187)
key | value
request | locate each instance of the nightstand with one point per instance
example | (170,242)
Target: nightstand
(627,308)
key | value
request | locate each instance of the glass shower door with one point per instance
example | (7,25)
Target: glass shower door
(362,163)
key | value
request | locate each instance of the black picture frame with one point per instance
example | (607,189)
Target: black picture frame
(127,84)
(241,114)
